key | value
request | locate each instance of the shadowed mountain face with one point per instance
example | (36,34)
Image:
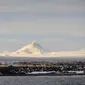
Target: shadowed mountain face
(38,47)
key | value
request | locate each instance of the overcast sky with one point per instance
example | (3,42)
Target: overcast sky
(55,24)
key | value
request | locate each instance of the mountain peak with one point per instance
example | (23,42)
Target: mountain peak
(33,48)
(33,42)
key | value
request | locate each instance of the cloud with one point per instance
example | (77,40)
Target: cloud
(60,22)
(61,17)
(42,6)
(69,27)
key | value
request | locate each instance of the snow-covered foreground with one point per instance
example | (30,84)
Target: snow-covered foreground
(42,80)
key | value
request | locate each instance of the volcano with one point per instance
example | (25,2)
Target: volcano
(34,49)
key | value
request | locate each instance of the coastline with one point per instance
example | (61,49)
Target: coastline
(50,74)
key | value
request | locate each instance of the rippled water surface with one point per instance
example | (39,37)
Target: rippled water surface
(42,80)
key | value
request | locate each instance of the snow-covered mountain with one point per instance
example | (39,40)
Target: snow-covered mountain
(36,50)
(33,48)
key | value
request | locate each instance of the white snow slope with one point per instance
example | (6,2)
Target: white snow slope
(36,50)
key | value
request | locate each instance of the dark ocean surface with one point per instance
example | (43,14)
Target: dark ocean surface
(42,80)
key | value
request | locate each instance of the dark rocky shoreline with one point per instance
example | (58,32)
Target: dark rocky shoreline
(41,74)
(44,68)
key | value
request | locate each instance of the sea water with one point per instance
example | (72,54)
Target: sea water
(42,80)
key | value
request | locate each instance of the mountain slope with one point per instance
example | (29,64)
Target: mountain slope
(33,48)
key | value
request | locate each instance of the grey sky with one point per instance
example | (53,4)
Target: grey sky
(56,24)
